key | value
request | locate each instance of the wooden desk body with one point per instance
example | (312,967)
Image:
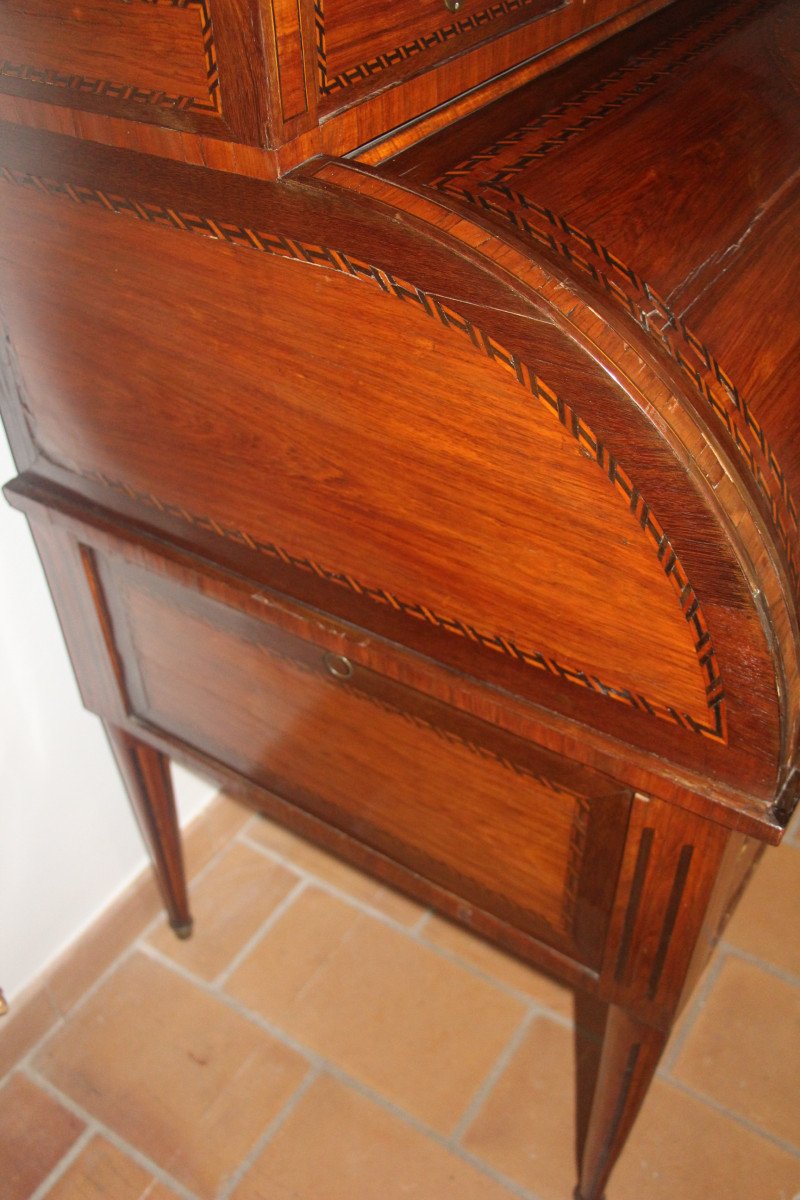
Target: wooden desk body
(440,497)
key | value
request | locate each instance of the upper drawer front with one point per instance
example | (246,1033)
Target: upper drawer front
(169,62)
(511,829)
(362,48)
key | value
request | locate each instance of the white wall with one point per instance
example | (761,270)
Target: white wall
(68,840)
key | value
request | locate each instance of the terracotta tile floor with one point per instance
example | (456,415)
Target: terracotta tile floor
(321,1038)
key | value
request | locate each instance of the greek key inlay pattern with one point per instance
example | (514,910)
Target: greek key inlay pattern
(124,92)
(579,113)
(329,84)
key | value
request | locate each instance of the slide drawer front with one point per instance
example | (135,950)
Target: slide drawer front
(361,49)
(505,825)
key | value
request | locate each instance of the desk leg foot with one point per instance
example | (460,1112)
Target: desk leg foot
(628,1060)
(145,772)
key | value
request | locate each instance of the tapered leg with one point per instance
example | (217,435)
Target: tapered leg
(145,773)
(628,1059)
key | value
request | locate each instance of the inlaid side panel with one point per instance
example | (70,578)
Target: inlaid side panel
(477,811)
(188,64)
(461,477)
(159,54)
(501,498)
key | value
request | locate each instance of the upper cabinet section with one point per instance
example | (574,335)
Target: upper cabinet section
(257,86)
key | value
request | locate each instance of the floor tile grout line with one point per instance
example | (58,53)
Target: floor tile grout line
(266,925)
(415,1123)
(331,888)
(510,1185)
(160,919)
(484,1090)
(214,858)
(217,985)
(695,1007)
(319,1063)
(733,951)
(506,988)
(25,1060)
(422,923)
(731,1114)
(234,1179)
(138,942)
(101,1129)
(61,1016)
(139,945)
(414,932)
(231,1002)
(64,1163)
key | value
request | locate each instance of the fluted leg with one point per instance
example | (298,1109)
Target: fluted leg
(628,1059)
(146,775)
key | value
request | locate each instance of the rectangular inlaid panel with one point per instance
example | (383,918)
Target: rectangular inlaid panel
(158,55)
(499,823)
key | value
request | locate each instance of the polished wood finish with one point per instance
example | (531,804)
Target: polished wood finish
(439,498)
(630,1055)
(145,773)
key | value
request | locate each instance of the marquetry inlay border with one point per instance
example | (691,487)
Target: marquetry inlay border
(626,287)
(329,84)
(579,113)
(641,513)
(115,90)
(657,317)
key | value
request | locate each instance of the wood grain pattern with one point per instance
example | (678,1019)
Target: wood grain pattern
(569,662)
(167,62)
(496,178)
(445,510)
(288,34)
(308,545)
(244,59)
(159,53)
(80,520)
(710,723)
(148,53)
(352,47)
(406,775)
(145,772)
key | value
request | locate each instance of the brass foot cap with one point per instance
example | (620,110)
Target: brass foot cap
(182,930)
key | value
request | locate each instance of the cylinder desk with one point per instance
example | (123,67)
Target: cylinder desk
(404,405)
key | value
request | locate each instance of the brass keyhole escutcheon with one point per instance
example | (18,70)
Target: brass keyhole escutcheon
(338,666)
(453,5)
